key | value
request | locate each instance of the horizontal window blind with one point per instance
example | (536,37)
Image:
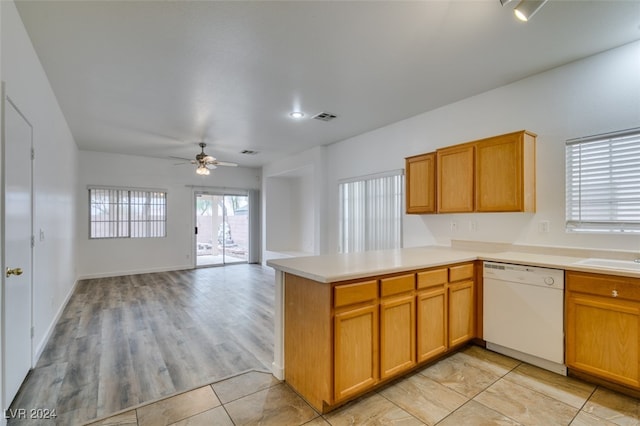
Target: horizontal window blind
(371,212)
(124,213)
(603,183)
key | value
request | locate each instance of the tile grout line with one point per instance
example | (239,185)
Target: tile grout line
(586,401)
(469,399)
(146,403)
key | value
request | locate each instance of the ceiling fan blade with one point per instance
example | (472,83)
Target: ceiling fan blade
(181,158)
(225,163)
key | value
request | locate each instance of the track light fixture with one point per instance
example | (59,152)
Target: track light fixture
(527,8)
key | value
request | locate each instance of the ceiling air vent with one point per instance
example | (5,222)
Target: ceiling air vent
(248,152)
(325,116)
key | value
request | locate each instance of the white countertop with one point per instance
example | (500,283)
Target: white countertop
(341,267)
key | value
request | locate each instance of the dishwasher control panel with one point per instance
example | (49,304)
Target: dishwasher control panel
(531,275)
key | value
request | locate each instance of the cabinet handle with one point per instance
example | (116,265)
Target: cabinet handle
(614,293)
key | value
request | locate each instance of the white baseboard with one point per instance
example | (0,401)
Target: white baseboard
(134,272)
(40,347)
(277,371)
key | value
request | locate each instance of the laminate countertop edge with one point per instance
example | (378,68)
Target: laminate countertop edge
(351,266)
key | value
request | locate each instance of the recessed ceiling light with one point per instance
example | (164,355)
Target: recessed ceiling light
(296,114)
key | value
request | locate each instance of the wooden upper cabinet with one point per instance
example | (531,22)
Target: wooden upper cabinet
(496,174)
(505,173)
(455,182)
(421,183)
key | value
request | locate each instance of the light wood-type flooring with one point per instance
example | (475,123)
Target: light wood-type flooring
(127,340)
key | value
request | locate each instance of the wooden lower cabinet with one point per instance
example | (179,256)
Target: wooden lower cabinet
(397,335)
(445,309)
(603,327)
(432,307)
(343,339)
(355,350)
(461,312)
(432,322)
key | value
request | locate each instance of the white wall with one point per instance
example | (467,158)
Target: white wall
(305,196)
(110,257)
(294,202)
(278,215)
(595,95)
(290,215)
(55,174)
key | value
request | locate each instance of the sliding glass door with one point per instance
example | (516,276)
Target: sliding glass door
(222,229)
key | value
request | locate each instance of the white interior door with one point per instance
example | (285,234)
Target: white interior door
(16,318)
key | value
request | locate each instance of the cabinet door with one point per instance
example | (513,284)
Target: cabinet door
(505,173)
(432,322)
(356,350)
(421,183)
(461,312)
(455,169)
(603,336)
(499,174)
(397,335)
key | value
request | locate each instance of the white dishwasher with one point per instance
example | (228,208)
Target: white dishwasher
(523,313)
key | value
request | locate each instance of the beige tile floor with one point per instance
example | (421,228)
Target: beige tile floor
(471,387)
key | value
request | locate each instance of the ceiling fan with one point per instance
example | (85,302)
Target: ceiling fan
(205,162)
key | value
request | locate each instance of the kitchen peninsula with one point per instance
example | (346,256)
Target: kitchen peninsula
(347,323)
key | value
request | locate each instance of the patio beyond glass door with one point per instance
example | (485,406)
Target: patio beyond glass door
(222,223)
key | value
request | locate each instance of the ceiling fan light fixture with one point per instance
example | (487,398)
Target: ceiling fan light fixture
(525,10)
(202,171)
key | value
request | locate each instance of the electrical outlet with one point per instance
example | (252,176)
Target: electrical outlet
(454,226)
(473,226)
(543,226)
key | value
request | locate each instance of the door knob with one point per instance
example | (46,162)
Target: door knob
(14,271)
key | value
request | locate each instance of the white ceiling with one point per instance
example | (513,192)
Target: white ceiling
(155,77)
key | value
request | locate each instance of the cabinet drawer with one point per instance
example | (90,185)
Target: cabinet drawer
(604,285)
(396,285)
(350,294)
(461,272)
(432,278)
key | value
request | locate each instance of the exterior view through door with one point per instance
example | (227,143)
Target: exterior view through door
(222,229)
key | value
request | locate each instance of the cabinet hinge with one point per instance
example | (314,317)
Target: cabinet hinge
(33,241)
(33,154)
(33,332)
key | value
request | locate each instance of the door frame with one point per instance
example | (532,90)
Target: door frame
(3,344)
(220,192)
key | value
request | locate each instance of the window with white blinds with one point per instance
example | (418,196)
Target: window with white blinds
(603,183)
(127,213)
(371,212)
